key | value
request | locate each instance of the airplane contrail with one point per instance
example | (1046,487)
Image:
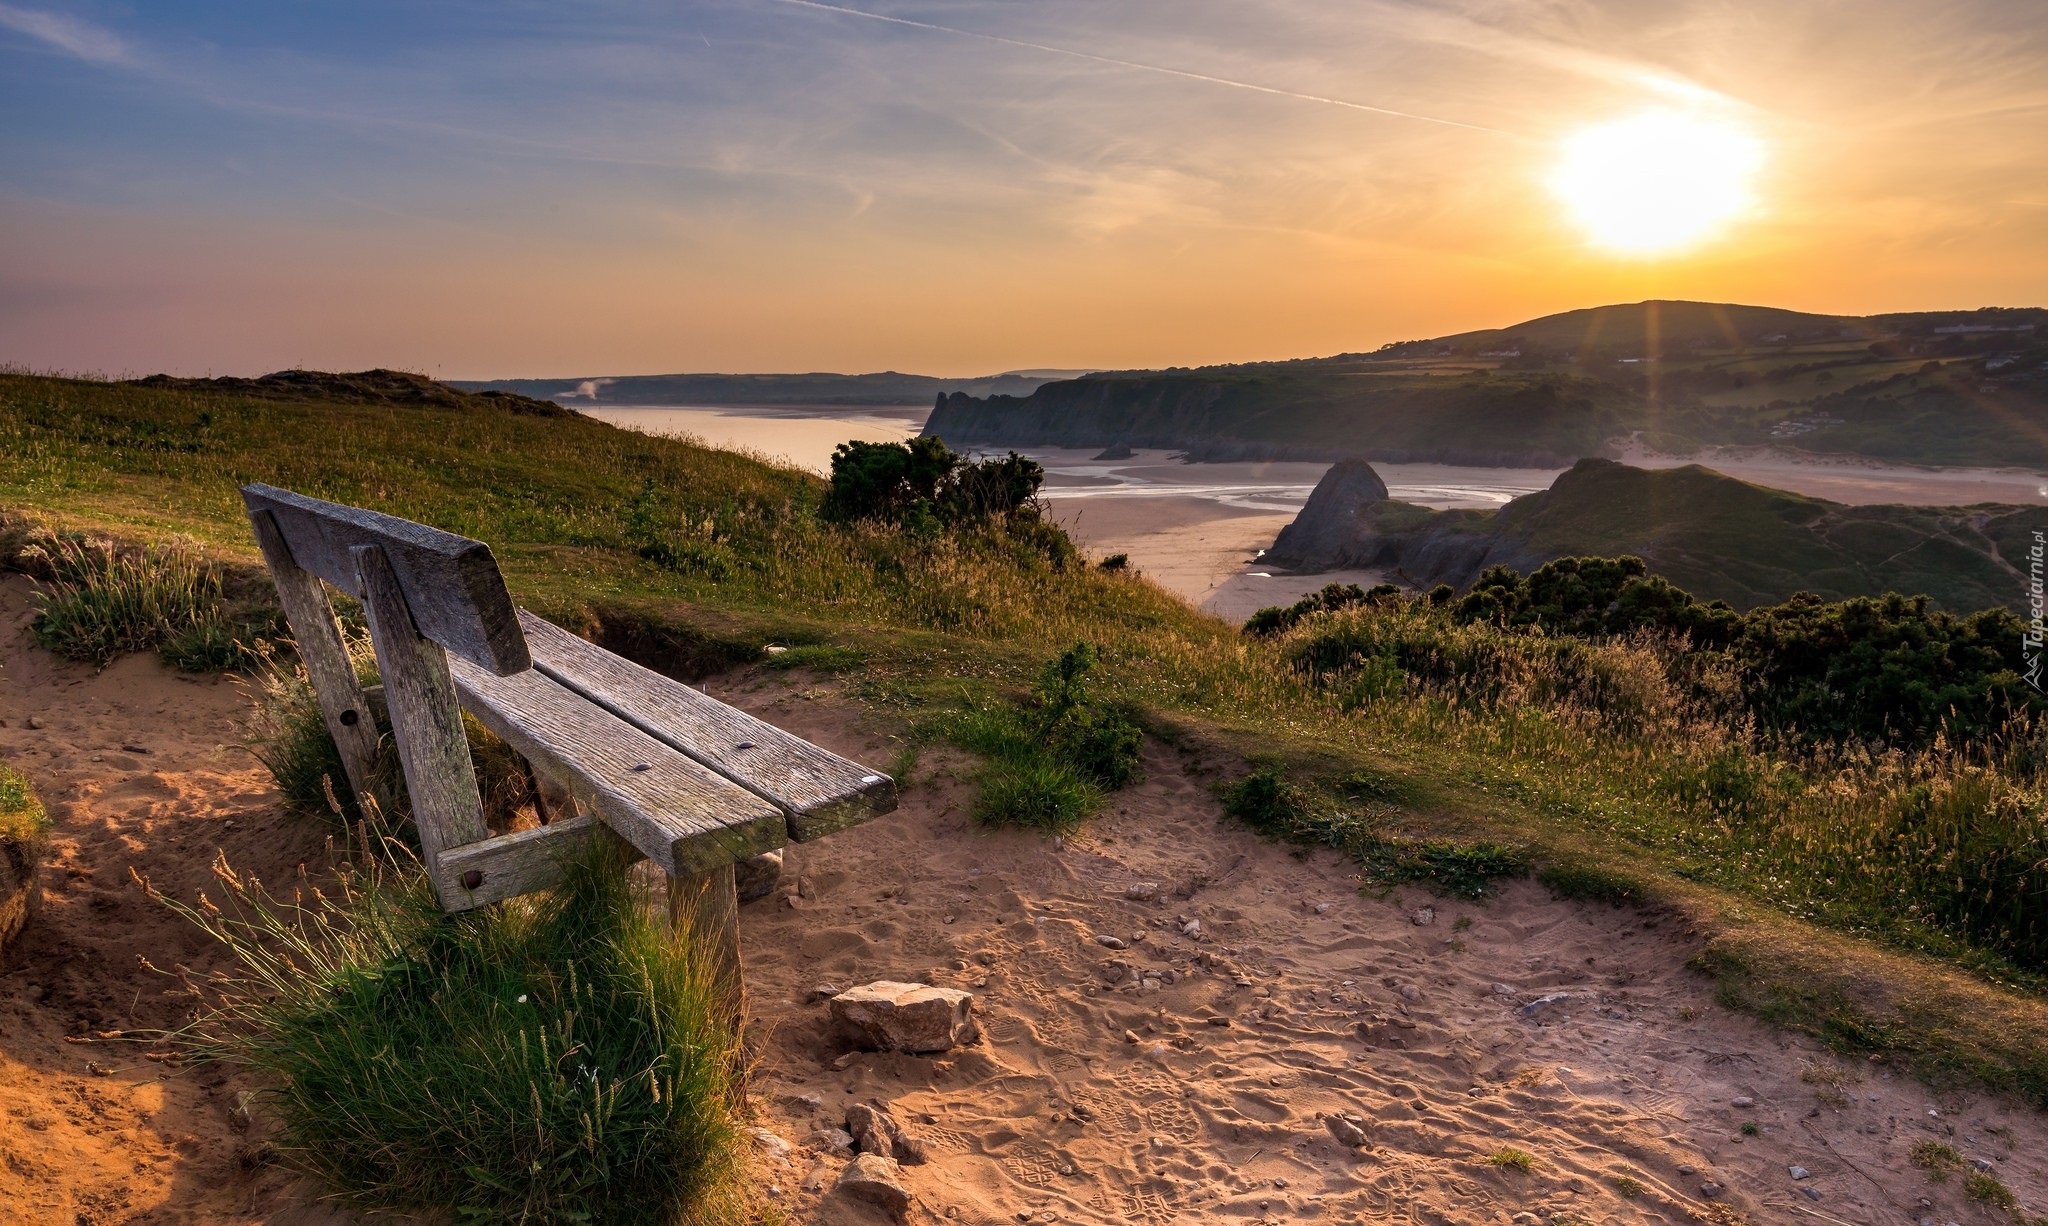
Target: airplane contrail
(1142,67)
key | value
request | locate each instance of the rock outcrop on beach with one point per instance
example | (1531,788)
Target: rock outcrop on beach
(1328,525)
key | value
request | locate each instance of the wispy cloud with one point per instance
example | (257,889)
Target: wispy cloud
(1142,67)
(94,44)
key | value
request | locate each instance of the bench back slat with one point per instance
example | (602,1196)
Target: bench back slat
(819,791)
(451,583)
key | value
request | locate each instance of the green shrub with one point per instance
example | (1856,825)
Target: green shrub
(1050,761)
(559,1058)
(923,486)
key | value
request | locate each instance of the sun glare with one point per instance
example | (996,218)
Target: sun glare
(1659,182)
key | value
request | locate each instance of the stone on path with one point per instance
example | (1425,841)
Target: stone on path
(911,1017)
(874,1179)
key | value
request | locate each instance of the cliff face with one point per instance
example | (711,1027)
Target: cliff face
(1097,413)
(1717,537)
(1546,420)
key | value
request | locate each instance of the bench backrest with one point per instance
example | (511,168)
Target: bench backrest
(452,586)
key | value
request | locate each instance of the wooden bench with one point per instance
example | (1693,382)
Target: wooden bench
(688,782)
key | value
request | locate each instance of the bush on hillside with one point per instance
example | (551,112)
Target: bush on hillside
(922,482)
(1889,670)
(561,1058)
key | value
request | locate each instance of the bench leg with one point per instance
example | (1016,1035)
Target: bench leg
(707,906)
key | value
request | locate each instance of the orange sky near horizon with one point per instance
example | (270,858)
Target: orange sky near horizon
(864,195)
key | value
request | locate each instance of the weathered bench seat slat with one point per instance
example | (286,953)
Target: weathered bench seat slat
(685,818)
(819,791)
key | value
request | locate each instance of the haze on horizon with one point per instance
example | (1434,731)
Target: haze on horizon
(960,187)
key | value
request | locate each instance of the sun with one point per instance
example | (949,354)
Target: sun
(1658,182)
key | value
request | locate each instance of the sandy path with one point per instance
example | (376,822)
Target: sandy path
(1336,1003)
(140,767)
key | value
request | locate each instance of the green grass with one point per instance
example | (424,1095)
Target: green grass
(559,1059)
(1938,1158)
(100,601)
(1047,761)
(1269,803)
(1817,883)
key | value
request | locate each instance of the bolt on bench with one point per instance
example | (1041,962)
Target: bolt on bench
(688,782)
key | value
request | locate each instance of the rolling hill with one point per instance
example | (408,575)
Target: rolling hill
(1936,387)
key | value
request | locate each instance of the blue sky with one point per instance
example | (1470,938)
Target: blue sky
(503,189)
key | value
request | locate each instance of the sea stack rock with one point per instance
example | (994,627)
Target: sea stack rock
(1328,525)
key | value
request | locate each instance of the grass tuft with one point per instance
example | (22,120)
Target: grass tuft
(24,822)
(1512,1159)
(101,602)
(1049,762)
(1269,803)
(1938,1158)
(558,1059)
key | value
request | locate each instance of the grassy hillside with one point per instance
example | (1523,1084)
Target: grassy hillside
(1747,544)
(1942,387)
(1593,759)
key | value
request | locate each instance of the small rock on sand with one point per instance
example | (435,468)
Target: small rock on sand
(875,1131)
(835,1141)
(768,1142)
(1143,891)
(873,1178)
(1543,1004)
(1800,1172)
(1422,917)
(1109,942)
(912,1017)
(757,876)
(1346,1132)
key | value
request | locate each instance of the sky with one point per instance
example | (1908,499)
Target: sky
(506,188)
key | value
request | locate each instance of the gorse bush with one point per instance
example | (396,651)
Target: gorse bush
(561,1058)
(1891,669)
(1942,848)
(101,602)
